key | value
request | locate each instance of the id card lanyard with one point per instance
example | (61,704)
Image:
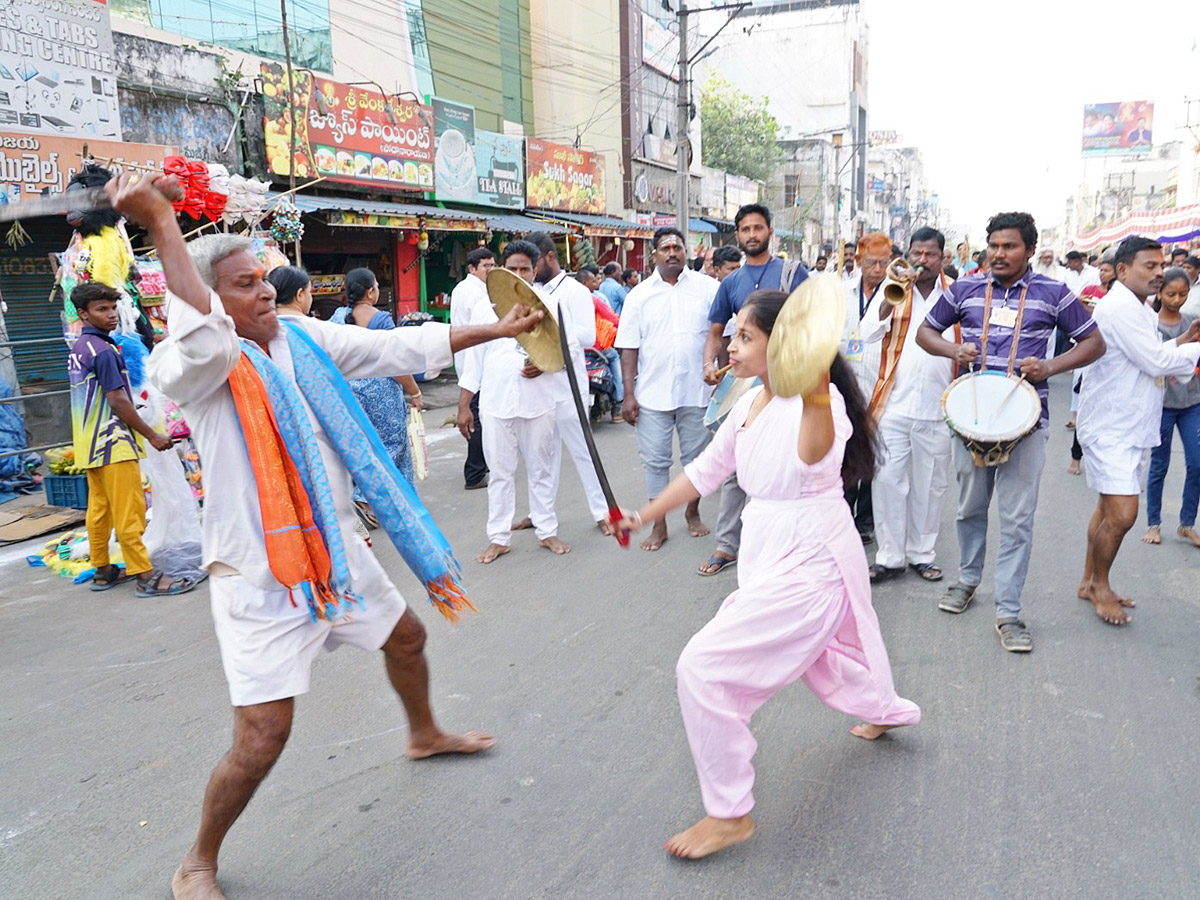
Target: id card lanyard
(987,321)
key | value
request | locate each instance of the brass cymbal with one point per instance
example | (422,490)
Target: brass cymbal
(505,290)
(806,335)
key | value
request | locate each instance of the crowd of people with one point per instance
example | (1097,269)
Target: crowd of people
(300,422)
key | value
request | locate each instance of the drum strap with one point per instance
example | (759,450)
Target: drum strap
(987,321)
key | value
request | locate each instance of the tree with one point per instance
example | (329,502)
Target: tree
(737,132)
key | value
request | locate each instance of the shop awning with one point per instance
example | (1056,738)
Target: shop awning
(598,226)
(721,224)
(523,224)
(699,226)
(380,214)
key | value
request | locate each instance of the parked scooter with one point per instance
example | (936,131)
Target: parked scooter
(601,389)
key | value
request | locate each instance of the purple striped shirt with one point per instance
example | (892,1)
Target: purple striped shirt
(1049,305)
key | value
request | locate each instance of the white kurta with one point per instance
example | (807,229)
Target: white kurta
(667,324)
(467,294)
(192,367)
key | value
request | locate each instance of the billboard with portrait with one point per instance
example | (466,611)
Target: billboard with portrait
(1118,128)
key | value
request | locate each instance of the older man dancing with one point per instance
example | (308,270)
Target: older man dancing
(268,407)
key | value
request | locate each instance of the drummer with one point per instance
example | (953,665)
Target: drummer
(1022,310)
(905,399)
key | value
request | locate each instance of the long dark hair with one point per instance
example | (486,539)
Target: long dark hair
(858,463)
(287,281)
(358,282)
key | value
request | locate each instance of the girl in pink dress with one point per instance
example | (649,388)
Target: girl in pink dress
(802,608)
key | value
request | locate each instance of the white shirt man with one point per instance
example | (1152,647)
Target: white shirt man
(1078,279)
(1047,264)
(567,297)
(907,490)
(1120,402)
(469,292)
(667,324)
(519,422)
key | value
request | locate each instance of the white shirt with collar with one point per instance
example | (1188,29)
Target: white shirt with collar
(1077,281)
(498,364)
(192,367)
(1120,402)
(573,301)
(469,292)
(667,324)
(921,378)
(866,367)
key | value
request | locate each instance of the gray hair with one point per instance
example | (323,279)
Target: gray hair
(209,250)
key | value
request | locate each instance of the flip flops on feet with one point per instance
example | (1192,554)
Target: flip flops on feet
(716,564)
(928,571)
(108,577)
(159,584)
(883,573)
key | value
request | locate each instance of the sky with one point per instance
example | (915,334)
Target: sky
(993,93)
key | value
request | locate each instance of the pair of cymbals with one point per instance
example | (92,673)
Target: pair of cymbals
(542,345)
(806,335)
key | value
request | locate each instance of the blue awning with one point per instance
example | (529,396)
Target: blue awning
(701,227)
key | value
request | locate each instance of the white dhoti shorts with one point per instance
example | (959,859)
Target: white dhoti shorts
(268,644)
(1115,470)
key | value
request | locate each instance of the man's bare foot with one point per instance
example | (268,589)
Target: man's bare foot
(1188,534)
(471,742)
(869,732)
(708,836)
(696,528)
(657,536)
(1110,607)
(492,553)
(524,525)
(1153,535)
(605,528)
(554,545)
(193,881)
(1074,468)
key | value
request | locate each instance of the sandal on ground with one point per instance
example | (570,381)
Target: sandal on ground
(928,571)
(115,575)
(152,585)
(883,573)
(721,563)
(958,597)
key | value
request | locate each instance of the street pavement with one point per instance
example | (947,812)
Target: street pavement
(1069,772)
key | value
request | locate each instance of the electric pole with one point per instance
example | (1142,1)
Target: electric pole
(682,119)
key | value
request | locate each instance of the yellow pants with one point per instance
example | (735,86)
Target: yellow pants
(116,500)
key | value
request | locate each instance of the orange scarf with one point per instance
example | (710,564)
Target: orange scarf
(893,345)
(296,551)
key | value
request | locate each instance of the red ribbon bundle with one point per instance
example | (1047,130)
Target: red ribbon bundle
(194,179)
(178,166)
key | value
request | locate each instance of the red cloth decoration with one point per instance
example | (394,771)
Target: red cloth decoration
(178,166)
(197,188)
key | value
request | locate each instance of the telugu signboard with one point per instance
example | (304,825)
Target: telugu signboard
(56,69)
(347,133)
(31,164)
(564,178)
(1118,128)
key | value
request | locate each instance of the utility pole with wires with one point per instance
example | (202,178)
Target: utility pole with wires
(287,56)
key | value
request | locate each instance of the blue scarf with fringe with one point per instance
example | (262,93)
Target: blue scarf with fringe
(401,515)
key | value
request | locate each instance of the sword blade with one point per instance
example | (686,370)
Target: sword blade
(614,511)
(84,200)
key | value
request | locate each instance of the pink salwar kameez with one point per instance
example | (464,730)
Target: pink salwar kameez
(802,608)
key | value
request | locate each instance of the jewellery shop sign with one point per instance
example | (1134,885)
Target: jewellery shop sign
(31,164)
(346,133)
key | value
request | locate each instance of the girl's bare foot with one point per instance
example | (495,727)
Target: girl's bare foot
(442,742)
(492,553)
(657,537)
(1153,535)
(554,545)
(1188,533)
(708,836)
(1073,468)
(869,732)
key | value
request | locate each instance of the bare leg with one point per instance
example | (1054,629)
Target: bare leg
(710,835)
(691,515)
(1085,583)
(492,553)
(658,535)
(1119,513)
(259,733)
(407,670)
(554,545)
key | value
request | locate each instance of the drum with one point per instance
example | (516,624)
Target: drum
(727,393)
(991,412)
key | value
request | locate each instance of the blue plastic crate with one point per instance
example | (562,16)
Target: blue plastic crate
(70,491)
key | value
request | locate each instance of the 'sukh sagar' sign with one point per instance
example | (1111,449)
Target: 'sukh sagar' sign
(563,178)
(346,133)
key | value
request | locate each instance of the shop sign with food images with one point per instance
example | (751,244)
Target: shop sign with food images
(346,133)
(564,178)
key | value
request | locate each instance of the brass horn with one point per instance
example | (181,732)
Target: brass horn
(900,274)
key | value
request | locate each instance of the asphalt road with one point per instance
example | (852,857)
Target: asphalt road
(1070,772)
